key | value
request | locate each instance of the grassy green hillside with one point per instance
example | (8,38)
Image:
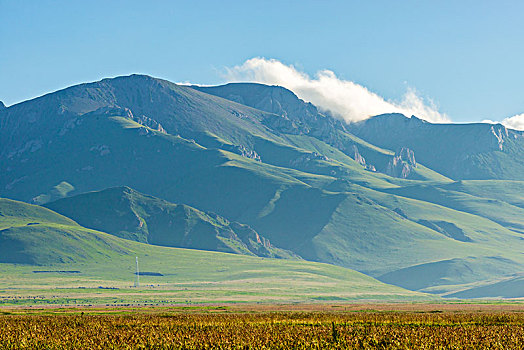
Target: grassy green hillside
(509,287)
(477,240)
(71,262)
(509,216)
(129,214)
(511,192)
(12,213)
(448,277)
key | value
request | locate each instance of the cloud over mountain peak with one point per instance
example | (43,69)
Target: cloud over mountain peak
(343,98)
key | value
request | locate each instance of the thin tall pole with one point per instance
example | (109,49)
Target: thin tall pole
(137,279)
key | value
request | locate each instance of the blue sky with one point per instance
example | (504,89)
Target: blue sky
(467,56)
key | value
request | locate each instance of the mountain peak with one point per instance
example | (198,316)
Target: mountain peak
(269,98)
(2,105)
(134,76)
(393,117)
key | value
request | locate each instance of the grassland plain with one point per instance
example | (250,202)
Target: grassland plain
(48,259)
(326,326)
(190,276)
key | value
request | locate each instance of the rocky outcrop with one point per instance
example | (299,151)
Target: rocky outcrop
(150,123)
(402,163)
(30,146)
(256,243)
(242,151)
(306,158)
(360,159)
(407,156)
(111,111)
(101,150)
(2,106)
(500,133)
(283,124)
(357,156)
(247,153)
(118,111)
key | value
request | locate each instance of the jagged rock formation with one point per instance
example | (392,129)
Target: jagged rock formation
(258,244)
(116,111)
(402,164)
(500,134)
(150,123)
(370,167)
(361,160)
(408,156)
(459,151)
(305,158)
(357,157)
(243,151)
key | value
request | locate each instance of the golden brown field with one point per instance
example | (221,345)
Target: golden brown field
(262,327)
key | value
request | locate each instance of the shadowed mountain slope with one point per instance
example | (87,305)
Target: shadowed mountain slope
(126,213)
(459,151)
(300,121)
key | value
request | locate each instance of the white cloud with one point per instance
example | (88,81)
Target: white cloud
(516,122)
(188,83)
(345,99)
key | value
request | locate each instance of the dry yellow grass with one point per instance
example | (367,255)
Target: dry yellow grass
(234,328)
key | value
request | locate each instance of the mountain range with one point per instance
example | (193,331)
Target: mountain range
(252,169)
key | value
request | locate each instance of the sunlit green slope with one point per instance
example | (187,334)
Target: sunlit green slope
(37,239)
